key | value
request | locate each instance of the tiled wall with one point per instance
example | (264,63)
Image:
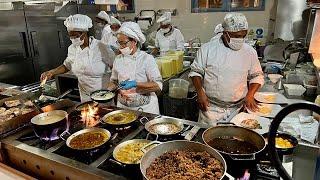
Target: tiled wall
(202,24)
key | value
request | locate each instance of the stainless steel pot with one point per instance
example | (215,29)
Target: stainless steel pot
(92,129)
(43,128)
(235,132)
(157,151)
(160,126)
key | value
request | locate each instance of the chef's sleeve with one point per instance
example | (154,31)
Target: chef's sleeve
(153,72)
(255,72)
(70,57)
(199,64)
(180,41)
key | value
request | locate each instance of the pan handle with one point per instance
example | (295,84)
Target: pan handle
(117,163)
(140,110)
(102,121)
(64,133)
(144,118)
(148,135)
(242,157)
(144,148)
(229,176)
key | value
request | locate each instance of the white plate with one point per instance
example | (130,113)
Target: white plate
(264,122)
(275,108)
(264,98)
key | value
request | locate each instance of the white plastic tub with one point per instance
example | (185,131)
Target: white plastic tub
(294,89)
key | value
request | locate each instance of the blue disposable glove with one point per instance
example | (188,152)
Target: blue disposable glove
(128,84)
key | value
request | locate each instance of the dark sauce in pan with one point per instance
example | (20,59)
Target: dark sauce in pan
(233,146)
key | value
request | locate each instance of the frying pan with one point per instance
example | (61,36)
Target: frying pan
(102,100)
(160,126)
(83,131)
(85,105)
(103,120)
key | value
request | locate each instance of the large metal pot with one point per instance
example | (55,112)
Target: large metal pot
(238,133)
(157,151)
(48,124)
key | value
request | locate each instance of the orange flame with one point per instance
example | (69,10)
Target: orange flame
(89,116)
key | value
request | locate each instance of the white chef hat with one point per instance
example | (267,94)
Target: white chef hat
(235,22)
(103,15)
(132,29)
(114,20)
(78,22)
(165,18)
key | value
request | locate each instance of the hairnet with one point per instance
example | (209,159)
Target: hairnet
(165,18)
(132,29)
(78,22)
(103,15)
(235,22)
(114,20)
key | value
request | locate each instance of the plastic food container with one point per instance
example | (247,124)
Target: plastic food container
(178,88)
(294,89)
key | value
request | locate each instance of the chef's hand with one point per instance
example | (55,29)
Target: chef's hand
(203,101)
(250,103)
(47,74)
(128,84)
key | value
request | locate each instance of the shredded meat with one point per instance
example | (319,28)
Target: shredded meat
(185,165)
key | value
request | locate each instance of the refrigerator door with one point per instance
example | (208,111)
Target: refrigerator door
(47,48)
(16,65)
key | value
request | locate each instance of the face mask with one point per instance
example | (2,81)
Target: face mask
(235,43)
(126,51)
(114,32)
(164,31)
(77,41)
(100,24)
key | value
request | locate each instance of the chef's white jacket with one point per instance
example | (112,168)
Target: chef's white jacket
(173,41)
(90,66)
(141,67)
(225,73)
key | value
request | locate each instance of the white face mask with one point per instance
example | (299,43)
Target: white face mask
(126,51)
(100,24)
(235,43)
(164,31)
(114,32)
(77,41)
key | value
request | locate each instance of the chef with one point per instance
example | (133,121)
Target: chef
(110,37)
(168,37)
(222,69)
(135,71)
(103,20)
(87,58)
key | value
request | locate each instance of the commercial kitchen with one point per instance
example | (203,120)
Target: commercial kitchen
(160,89)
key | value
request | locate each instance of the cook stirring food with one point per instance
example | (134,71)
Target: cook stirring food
(87,58)
(135,71)
(222,69)
(168,37)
